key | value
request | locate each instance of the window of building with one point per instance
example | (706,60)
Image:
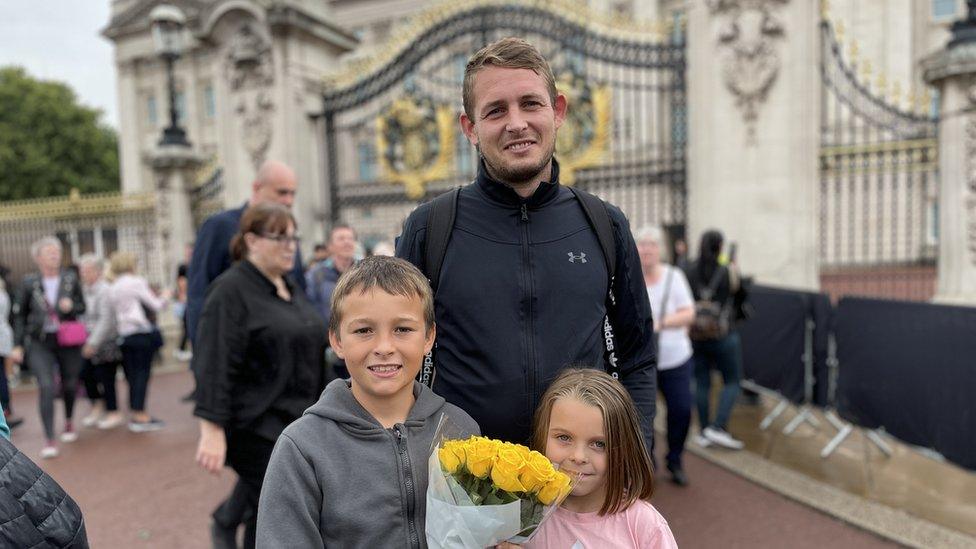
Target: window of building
(151,111)
(86,242)
(110,241)
(180,107)
(935,105)
(943,9)
(366,152)
(209,102)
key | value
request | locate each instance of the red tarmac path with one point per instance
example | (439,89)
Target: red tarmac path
(144,490)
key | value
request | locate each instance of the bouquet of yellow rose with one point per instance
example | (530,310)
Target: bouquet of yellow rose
(483,491)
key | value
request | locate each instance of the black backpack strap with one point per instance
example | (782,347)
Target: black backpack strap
(440,223)
(596,213)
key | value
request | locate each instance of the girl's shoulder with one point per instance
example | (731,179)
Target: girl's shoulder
(649,526)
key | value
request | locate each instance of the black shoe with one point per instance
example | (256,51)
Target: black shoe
(14,421)
(189,397)
(678,476)
(222,537)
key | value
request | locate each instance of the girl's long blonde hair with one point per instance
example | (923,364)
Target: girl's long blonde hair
(630,475)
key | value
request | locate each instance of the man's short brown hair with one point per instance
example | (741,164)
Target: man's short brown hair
(390,274)
(509,53)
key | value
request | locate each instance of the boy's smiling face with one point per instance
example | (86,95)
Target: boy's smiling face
(383,339)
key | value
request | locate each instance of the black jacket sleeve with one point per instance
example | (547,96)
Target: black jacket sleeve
(20,310)
(633,326)
(219,350)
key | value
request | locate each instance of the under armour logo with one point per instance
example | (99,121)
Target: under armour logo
(573,257)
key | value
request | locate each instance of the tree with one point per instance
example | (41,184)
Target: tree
(49,142)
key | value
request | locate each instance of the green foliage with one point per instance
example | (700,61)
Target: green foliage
(50,143)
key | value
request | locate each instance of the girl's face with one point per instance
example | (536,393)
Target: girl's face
(577,442)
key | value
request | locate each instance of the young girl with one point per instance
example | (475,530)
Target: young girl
(587,424)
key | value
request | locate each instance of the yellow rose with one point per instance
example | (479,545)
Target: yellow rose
(479,455)
(451,455)
(507,467)
(555,489)
(538,471)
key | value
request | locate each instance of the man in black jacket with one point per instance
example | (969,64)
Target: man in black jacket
(523,286)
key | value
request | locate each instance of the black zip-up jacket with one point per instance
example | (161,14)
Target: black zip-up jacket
(522,294)
(30,307)
(34,510)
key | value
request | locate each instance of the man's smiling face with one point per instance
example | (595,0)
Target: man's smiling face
(514,123)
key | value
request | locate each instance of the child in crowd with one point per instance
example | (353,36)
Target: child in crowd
(352,471)
(587,424)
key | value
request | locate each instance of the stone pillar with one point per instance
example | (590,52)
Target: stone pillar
(953,72)
(754,117)
(173,170)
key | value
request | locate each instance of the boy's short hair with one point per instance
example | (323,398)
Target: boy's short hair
(392,275)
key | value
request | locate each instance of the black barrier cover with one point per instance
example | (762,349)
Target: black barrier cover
(910,368)
(772,341)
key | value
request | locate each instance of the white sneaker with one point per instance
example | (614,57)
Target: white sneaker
(702,441)
(111,421)
(183,356)
(69,436)
(722,438)
(92,419)
(49,451)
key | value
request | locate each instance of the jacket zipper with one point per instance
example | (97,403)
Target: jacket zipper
(527,282)
(409,504)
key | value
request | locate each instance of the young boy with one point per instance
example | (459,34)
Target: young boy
(352,471)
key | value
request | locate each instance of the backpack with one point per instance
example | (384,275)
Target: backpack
(440,225)
(713,320)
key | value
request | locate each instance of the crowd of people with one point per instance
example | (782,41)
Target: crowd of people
(322,382)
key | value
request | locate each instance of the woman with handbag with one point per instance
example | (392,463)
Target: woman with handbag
(134,304)
(714,339)
(102,354)
(46,322)
(673,309)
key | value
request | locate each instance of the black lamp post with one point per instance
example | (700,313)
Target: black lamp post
(167,31)
(965,30)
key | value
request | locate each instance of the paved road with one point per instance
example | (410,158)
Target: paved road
(143,490)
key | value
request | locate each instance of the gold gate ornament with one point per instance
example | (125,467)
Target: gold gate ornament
(582,139)
(415,143)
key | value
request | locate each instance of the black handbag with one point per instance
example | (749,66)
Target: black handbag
(713,319)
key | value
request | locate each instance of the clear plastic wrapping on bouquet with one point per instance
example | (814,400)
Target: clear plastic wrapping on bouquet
(481,491)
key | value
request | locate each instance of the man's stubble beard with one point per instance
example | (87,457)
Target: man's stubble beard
(518,177)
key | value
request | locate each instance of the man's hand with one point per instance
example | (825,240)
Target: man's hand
(87,351)
(212,449)
(65,304)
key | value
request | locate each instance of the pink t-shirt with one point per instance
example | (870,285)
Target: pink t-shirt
(639,526)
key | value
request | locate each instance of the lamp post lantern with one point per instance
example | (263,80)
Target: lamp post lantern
(964,30)
(168,23)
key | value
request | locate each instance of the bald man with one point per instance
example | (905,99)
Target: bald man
(274,182)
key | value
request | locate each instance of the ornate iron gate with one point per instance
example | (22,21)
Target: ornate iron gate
(878,186)
(392,136)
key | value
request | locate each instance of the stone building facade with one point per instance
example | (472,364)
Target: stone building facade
(251,85)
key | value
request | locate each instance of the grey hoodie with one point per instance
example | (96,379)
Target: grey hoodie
(337,478)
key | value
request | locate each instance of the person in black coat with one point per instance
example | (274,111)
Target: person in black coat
(46,302)
(259,360)
(34,510)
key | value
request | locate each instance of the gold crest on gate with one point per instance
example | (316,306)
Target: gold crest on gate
(583,138)
(415,143)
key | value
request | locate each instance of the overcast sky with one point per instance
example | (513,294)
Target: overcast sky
(60,40)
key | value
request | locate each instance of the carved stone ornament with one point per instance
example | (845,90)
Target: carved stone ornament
(970,196)
(248,61)
(255,118)
(249,69)
(750,62)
